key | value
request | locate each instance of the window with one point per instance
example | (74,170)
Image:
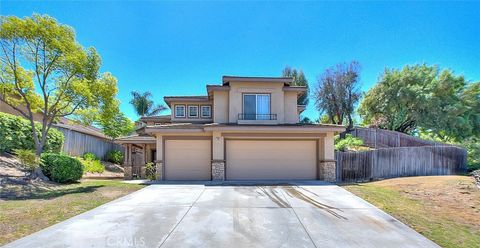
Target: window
(206,112)
(256,106)
(193,111)
(179,110)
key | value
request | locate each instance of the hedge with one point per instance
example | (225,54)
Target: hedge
(16,133)
(61,168)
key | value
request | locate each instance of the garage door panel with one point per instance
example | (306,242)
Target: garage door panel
(188,159)
(277,159)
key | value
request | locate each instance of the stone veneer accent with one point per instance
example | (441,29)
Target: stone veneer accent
(327,171)
(127,172)
(218,170)
(159,170)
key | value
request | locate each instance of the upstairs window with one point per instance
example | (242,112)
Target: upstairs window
(256,106)
(206,111)
(180,111)
(192,111)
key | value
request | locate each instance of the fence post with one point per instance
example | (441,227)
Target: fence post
(375,138)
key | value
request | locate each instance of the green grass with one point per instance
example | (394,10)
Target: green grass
(442,228)
(43,207)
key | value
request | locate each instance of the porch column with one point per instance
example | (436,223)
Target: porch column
(127,167)
(327,170)
(159,158)
(218,157)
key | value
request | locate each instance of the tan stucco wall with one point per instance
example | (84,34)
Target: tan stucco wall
(327,147)
(186,119)
(220,106)
(236,94)
(291,114)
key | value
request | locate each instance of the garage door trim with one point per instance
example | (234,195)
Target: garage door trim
(165,138)
(317,154)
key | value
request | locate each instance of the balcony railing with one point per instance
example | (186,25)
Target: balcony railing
(243,116)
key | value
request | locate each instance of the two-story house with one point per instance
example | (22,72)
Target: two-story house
(247,128)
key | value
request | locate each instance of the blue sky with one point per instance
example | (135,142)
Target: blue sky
(175,48)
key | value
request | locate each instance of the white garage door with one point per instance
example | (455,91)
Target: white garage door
(272,159)
(188,160)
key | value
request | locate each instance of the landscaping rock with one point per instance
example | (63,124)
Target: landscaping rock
(476,176)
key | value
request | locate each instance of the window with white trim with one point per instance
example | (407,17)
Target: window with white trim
(193,111)
(179,110)
(206,111)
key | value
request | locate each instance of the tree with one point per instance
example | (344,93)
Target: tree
(120,125)
(337,92)
(306,120)
(422,98)
(45,69)
(144,106)
(299,79)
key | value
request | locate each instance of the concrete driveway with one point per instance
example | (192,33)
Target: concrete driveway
(307,215)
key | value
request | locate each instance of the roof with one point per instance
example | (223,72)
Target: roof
(83,129)
(285,80)
(155,118)
(169,99)
(135,139)
(254,127)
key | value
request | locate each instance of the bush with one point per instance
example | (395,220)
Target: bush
(61,168)
(348,143)
(90,156)
(150,171)
(92,166)
(473,153)
(115,157)
(28,158)
(16,133)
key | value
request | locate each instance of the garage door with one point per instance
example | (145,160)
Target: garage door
(280,159)
(188,160)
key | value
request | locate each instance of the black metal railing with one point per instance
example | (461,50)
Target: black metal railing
(243,116)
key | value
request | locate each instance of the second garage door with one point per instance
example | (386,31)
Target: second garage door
(271,159)
(188,159)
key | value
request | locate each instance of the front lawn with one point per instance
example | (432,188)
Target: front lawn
(445,209)
(25,212)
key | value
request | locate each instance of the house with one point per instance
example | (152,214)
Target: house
(246,128)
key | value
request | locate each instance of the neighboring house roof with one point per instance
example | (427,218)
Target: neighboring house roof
(285,80)
(83,129)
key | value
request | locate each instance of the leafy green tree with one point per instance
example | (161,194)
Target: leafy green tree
(144,105)
(119,125)
(299,79)
(337,93)
(306,120)
(422,98)
(46,70)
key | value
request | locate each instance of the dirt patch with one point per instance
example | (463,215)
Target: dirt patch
(455,196)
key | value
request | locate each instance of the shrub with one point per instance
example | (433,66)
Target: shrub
(473,153)
(61,168)
(150,171)
(348,143)
(90,156)
(93,166)
(115,157)
(16,133)
(28,158)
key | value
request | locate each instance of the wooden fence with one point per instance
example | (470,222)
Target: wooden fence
(400,162)
(380,138)
(77,143)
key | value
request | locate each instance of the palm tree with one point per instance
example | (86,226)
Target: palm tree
(144,106)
